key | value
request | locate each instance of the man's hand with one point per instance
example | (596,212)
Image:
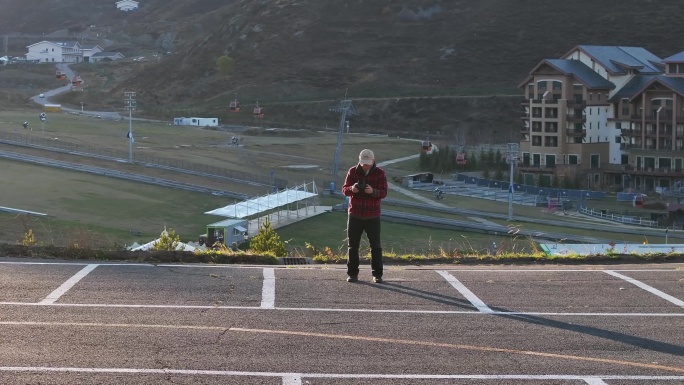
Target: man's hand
(368,190)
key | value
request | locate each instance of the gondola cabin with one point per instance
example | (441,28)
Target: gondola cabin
(461,159)
(60,75)
(428,147)
(234,106)
(76,81)
(258,112)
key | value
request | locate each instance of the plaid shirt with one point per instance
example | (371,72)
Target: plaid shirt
(362,205)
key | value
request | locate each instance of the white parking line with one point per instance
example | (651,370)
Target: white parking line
(268,289)
(648,288)
(295,378)
(54,296)
(469,295)
(594,381)
(292,379)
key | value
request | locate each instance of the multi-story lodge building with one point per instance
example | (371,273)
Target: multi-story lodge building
(612,117)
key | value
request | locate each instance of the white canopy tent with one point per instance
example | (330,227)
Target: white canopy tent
(268,202)
(149,245)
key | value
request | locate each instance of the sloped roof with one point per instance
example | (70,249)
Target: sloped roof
(265,203)
(639,83)
(676,58)
(582,72)
(107,54)
(575,68)
(616,59)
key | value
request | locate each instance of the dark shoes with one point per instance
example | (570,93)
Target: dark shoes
(355,278)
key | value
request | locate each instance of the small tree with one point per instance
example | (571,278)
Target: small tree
(225,64)
(168,241)
(268,241)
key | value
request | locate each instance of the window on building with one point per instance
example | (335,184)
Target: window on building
(557,86)
(526,157)
(541,85)
(594,160)
(573,159)
(591,95)
(624,159)
(536,159)
(618,139)
(530,91)
(536,140)
(550,160)
(618,125)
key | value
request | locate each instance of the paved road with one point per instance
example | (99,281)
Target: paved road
(67,88)
(64,323)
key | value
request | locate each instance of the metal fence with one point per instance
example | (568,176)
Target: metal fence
(532,190)
(618,218)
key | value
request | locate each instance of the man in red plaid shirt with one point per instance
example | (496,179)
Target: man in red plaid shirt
(365,185)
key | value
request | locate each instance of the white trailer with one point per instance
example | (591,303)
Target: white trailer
(201,122)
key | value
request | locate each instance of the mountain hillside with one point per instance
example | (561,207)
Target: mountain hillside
(297,57)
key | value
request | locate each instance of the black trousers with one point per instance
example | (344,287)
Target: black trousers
(356,227)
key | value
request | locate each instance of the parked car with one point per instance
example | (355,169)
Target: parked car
(41,95)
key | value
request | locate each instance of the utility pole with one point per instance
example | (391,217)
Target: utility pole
(344,108)
(129,100)
(511,158)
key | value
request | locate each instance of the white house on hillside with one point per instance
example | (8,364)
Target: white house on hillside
(89,50)
(106,55)
(127,5)
(55,51)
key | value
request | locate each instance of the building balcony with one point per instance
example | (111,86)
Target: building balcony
(576,104)
(576,118)
(535,167)
(628,132)
(541,101)
(643,171)
(576,132)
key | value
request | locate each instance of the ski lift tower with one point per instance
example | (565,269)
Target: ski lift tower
(344,108)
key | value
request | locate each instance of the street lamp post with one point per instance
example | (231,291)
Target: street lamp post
(511,158)
(129,100)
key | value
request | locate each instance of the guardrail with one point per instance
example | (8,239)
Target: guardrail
(618,218)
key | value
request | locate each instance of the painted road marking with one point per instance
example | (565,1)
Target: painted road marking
(292,379)
(60,291)
(228,266)
(342,310)
(294,376)
(594,381)
(268,289)
(464,347)
(355,338)
(590,379)
(648,288)
(469,295)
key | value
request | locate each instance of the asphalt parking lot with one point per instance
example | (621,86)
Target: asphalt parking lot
(112,323)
